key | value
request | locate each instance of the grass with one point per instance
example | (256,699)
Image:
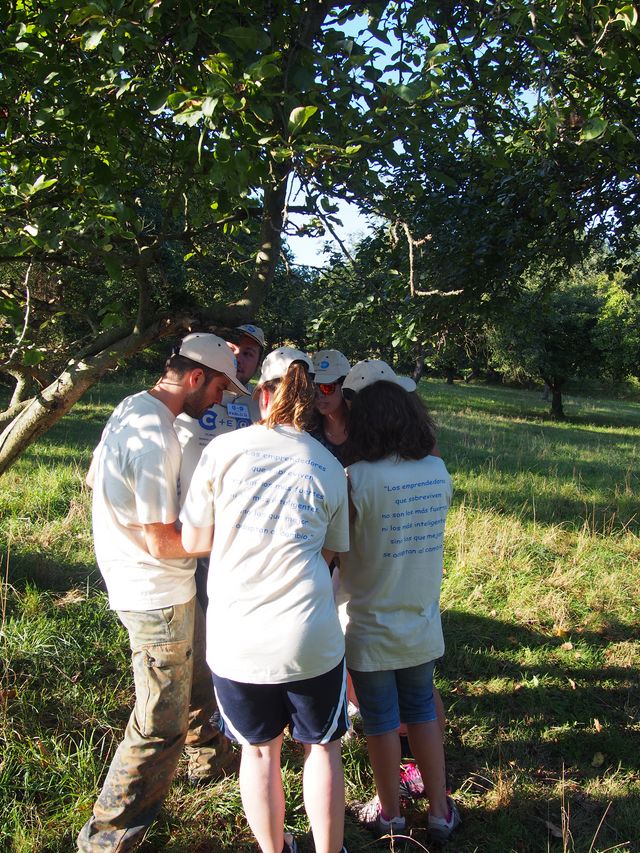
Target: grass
(540,676)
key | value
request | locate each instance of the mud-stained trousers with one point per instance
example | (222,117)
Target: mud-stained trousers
(174,705)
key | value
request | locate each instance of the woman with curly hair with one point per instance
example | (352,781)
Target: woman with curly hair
(391,579)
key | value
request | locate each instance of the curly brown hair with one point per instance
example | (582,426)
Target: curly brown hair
(385,420)
(293,398)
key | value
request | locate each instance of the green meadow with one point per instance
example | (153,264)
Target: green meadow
(540,603)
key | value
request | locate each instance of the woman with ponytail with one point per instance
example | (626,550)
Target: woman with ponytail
(278,502)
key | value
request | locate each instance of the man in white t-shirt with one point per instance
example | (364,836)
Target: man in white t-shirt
(233,412)
(150,583)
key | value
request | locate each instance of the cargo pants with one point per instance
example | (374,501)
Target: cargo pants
(174,705)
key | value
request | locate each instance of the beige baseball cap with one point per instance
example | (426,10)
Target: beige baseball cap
(252,331)
(277,363)
(372,370)
(329,365)
(213,352)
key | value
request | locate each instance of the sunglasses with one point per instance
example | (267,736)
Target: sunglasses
(326,388)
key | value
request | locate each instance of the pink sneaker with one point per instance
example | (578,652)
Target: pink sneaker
(411,784)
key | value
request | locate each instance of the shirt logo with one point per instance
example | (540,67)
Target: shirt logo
(208,420)
(238,410)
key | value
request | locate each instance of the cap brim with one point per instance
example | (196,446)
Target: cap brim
(236,386)
(406,382)
(244,334)
(328,377)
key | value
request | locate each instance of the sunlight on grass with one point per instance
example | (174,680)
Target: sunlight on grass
(540,614)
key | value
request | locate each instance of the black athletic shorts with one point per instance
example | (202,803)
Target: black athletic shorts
(315,709)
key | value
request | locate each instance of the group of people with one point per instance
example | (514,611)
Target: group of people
(315,508)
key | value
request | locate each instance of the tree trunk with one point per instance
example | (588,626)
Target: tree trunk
(449,373)
(418,370)
(556,410)
(270,238)
(555,387)
(44,410)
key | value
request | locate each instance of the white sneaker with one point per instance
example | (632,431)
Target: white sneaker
(441,829)
(370,816)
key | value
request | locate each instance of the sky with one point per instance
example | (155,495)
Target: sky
(310,251)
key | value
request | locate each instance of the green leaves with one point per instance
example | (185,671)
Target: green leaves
(594,128)
(157,99)
(92,38)
(298,117)
(248,38)
(628,14)
(31,357)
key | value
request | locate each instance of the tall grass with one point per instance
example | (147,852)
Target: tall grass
(540,677)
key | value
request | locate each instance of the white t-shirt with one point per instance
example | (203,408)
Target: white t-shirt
(233,412)
(392,575)
(276,498)
(137,464)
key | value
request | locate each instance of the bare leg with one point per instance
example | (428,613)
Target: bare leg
(384,754)
(323,788)
(426,744)
(442,717)
(262,793)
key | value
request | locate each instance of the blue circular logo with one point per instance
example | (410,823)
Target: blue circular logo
(208,420)
(324,364)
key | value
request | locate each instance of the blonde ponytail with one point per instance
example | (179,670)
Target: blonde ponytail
(293,398)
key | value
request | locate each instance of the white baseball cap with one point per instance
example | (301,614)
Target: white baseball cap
(277,363)
(329,365)
(213,352)
(252,331)
(372,370)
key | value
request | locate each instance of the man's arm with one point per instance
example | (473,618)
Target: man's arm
(164,542)
(197,541)
(328,555)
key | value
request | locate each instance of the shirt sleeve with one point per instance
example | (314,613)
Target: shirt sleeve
(337,536)
(198,508)
(448,489)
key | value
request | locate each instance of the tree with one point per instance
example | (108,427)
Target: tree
(617,333)
(143,145)
(585,326)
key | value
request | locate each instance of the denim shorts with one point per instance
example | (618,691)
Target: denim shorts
(314,709)
(386,697)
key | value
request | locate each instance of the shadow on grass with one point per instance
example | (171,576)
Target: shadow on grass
(49,573)
(529,713)
(534,756)
(519,732)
